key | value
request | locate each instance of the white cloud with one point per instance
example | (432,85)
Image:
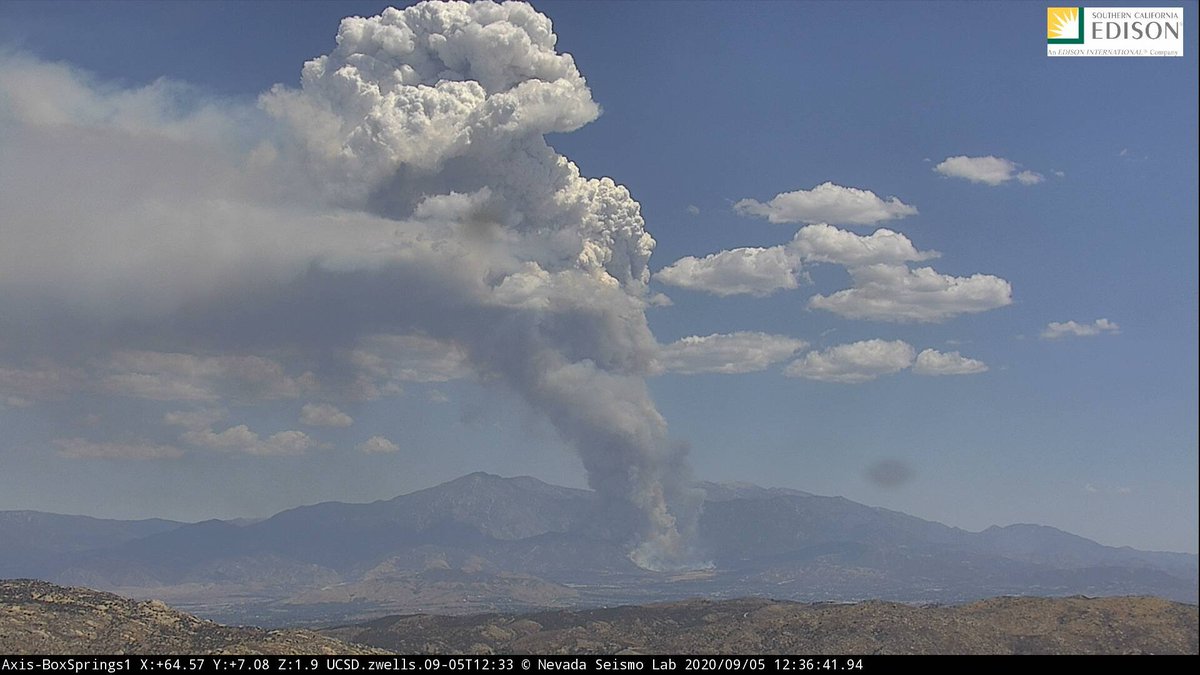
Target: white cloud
(284,443)
(378,445)
(659,300)
(750,271)
(827,203)
(157,387)
(933,362)
(411,358)
(693,209)
(884,289)
(989,170)
(241,439)
(827,244)
(740,352)
(324,415)
(43,382)
(762,271)
(194,419)
(163,376)
(79,448)
(1056,330)
(853,363)
(897,293)
(383,362)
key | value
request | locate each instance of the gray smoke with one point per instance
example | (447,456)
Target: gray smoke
(406,187)
(438,113)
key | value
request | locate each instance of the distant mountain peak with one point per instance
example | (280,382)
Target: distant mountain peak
(470,485)
(477,476)
(487,542)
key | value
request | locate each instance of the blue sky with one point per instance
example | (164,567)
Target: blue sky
(704,105)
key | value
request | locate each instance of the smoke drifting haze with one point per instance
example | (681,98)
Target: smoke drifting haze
(406,186)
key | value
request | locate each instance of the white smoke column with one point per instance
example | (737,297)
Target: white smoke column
(436,114)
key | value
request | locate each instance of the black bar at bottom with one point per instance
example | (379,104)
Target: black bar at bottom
(850,664)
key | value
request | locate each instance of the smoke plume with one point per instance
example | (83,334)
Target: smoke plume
(404,188)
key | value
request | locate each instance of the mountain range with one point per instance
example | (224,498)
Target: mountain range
(486,543)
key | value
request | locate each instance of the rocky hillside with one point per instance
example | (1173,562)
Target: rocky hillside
(41,618)
(1078,625)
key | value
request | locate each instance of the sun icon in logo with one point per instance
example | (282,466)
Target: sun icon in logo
(1062,24)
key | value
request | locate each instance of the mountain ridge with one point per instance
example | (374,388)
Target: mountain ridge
(483,542)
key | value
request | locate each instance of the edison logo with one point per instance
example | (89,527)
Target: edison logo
(1113,31)
(1064,25)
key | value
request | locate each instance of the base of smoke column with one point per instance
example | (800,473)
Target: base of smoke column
(648,557)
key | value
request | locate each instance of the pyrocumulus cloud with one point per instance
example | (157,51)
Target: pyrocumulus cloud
(403,195)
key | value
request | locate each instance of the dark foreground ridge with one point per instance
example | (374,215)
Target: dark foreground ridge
(1078,625)
(40,618)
